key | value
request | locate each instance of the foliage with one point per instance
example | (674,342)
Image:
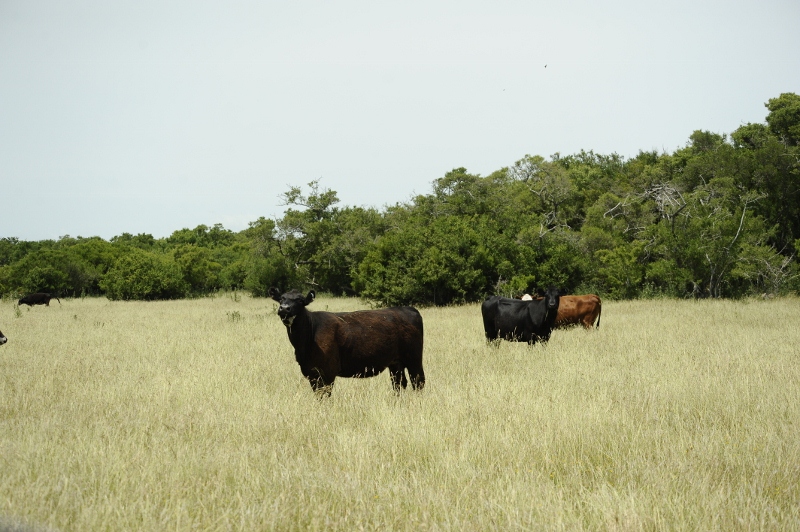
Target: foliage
(719,217)
(265,266)
(200,271)
(445,261)
(143,275)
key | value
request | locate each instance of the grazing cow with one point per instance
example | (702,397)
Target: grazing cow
(520,321)
(39,298)
(579,310)
(3,339)
(352,344)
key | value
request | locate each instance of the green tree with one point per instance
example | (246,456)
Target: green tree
(621,269)
(144,241)
(143,275)
(199,270)
(708,235)
(449,259)
(320,243)
(767,165)
(556,196)
(784,117)
(765,271)
(265,265)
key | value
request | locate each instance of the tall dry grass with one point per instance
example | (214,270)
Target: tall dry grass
(193,415)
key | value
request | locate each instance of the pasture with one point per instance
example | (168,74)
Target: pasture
(193,415)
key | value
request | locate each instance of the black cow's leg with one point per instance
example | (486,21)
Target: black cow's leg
(321,388)
(398,375)
(493,336)
(417,375)
(318,384)
(536,338)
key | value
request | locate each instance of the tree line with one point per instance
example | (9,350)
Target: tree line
(719,217)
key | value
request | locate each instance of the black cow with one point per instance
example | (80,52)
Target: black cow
(39,298)
(520,321)
(352,344)
(3,339)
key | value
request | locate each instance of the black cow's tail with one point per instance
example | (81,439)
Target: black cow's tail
(597,325)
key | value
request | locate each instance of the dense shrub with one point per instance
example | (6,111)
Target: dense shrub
(142,275)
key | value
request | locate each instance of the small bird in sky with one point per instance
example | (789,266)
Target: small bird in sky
(545,66)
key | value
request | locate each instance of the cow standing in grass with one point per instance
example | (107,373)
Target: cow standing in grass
(39,298)
(352,344)
(520,321)
(579,310)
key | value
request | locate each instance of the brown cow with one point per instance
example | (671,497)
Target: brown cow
(575,310)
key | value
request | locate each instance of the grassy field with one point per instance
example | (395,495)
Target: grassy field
(193,415)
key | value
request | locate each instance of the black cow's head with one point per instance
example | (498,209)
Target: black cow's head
(292,303)
(3,339)
(552,296)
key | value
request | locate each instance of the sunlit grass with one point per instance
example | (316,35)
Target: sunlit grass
(194,415)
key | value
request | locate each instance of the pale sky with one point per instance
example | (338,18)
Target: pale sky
(148,117)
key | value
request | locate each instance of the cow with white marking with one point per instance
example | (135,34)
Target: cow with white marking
(520,321)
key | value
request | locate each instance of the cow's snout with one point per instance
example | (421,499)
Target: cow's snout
(284,313)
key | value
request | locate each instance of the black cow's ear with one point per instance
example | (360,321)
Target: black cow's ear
(275,293)
(310,297)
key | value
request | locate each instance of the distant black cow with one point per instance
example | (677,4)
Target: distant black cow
(520,321)
(3,339)
(352,344)
(39,298)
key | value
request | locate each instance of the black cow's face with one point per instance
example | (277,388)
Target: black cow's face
(292,303)
(3,339)
(551,298)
